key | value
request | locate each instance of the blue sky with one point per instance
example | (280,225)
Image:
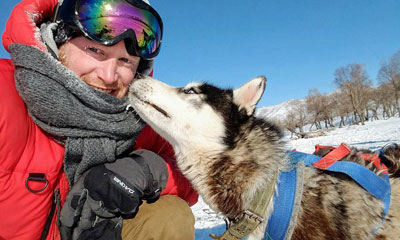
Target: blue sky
(297,45)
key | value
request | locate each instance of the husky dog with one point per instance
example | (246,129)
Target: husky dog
(228,154)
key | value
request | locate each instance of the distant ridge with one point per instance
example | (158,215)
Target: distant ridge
(276,112)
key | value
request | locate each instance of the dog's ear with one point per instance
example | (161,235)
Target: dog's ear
(248,95)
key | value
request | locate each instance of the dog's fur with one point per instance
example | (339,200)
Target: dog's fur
(228,154)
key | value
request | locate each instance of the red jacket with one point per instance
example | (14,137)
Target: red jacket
(25,149)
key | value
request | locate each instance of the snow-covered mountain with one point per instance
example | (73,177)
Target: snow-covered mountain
(276,112)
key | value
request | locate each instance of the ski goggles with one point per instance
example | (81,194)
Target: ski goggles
(110,21)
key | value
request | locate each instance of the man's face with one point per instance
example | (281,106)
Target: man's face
(109,69)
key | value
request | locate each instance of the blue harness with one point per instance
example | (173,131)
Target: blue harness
(284,200)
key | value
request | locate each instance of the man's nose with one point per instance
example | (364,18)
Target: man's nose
(108,71)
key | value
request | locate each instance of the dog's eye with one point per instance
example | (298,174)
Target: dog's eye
(189,91)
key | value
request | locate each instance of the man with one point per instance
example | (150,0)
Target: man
(64,127)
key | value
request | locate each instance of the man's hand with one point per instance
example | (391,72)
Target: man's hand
(109,192)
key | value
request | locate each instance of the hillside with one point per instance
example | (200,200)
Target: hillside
(276,112)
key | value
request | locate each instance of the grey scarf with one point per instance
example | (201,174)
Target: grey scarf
(93,126)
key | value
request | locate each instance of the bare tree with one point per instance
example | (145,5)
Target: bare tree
(315,107)
(341,106)
(290,123)
(390,73)
(327,111)
(355,97)
(375,101)
(300,110)
(386,96)
(296,119)
(353,80)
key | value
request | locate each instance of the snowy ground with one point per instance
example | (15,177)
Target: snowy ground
(373,136)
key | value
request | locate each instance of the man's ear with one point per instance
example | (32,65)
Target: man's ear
(248,95)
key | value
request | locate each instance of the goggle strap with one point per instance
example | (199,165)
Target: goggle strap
(54,15)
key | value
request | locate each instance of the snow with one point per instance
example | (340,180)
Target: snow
(373,135)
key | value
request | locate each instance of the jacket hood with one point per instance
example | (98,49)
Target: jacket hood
(21,26)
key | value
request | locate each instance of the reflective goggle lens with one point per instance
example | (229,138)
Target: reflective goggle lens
(108,19)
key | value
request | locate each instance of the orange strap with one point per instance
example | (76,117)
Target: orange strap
(335,155)
(342,151)
(319,147)
(374,158)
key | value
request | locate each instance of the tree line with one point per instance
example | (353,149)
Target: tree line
(355,101)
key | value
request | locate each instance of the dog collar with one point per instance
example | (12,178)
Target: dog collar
(251,217)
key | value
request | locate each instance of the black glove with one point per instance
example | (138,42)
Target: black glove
(106,193)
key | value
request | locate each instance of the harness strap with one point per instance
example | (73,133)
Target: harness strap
(335,155)
(374,158)
(278,222)
(320,147)
(338,153)
(252,217)
(378,186)
(375,185)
